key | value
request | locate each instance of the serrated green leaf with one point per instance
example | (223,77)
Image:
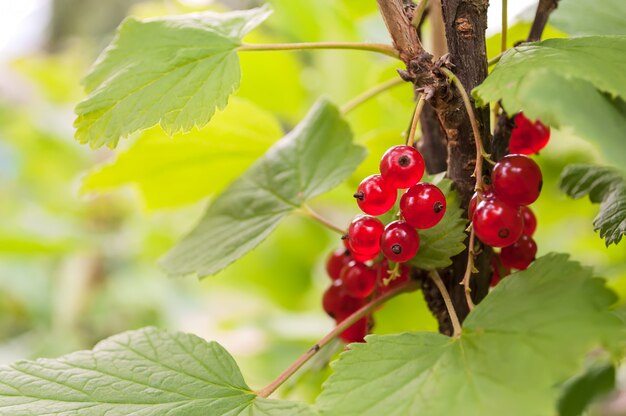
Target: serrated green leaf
(605,186)
(580,391)
(529,334)
(187,167)
(590,17)
(570,84)
(145,372)
(313,158)
(174,71)
(445,240)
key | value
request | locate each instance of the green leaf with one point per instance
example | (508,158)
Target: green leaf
(529,334)
(145,372)
(187,167)
(172,70)
(445,240)
(580,391)
(313,158)
(570,84)
(590,17)
(605,186)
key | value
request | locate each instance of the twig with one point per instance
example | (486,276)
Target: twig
(372,47)
(410,140)
(495,59)
(419,13)
(308,211)
(342,326)
(371,93)
(505,25)
(544,9)
(454,318)
(469,269)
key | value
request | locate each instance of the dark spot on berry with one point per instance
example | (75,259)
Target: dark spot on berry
(359,195)
(503,233)
(437,207)
(404,161)
(396,248)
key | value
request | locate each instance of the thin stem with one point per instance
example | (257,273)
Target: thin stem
(454,318)
(372,47)
(495,59)
(418,13)
(505,25)
(469,269)
(308,211)
(416,116)
(342,326)
(371,93)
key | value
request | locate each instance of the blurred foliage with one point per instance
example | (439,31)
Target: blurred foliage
(77,267)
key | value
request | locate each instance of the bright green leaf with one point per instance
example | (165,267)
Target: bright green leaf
(580,391)
(515,34)
(605,186)
(445,240)
(145,372)
(590,17)
(313,158)
(528,335)
(174,70)
(188,167)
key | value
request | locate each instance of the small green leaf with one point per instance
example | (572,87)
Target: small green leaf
(605,186)
(580,391)
(528,335)
(185,168)
(174,70)
(570,84)
(313,158)
(148,372)
(445,240)
(590,17)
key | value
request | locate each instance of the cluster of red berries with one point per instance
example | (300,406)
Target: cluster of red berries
(500,215)
(422,206)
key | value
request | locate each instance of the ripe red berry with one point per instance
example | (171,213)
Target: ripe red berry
(375,196)
(530,221)
(487,194)
(423,205)
(497,223)
(402,166)
(399,242)
(517,179)
(528,137)
(337,303)
(337,260)
(359,281)
(520,254)
(357,256)
(364,235)
(356,332)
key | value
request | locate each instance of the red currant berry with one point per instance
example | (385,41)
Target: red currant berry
(487,194)
(399,242)
(337,260)
(517,180)
(520,254)
(423,205)
(528,137)
(364,235)
(356,332)
(359,281)
(530,221)
(357,256)
(402,166)
(498,272)
(497,223)
(337,303)
(375,196)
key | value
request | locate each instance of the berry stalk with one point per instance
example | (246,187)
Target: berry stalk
(371,47)
(342,326)
(454,318)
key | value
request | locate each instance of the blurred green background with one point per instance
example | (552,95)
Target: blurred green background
(81,230)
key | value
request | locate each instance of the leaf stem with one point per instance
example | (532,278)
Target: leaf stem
(495,59)
(369,94)
(342,326)
(454,318)
(418,13)
(410,140)
(383,48)
(309,212)
(505,25)
(478,173)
